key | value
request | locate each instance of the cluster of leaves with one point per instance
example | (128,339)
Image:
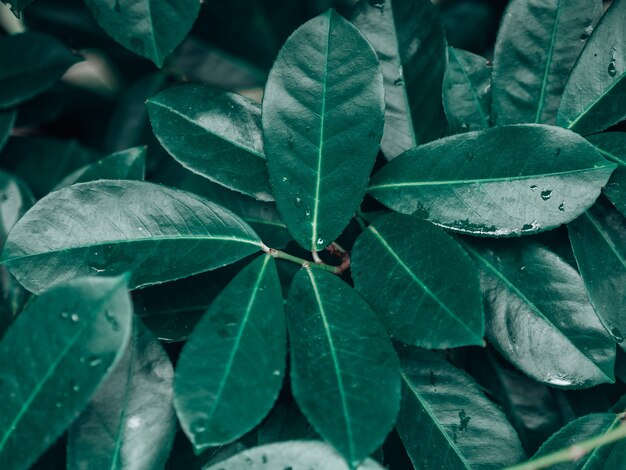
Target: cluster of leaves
(364,251)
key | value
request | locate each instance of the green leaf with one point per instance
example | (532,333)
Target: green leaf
(126,164)
(322,125)
(344,372)
(296,455)
(420,281)
(236,350)
(7,120)
(215,134)
(467,91)
(539,316)
(30,63)
(612,146)
(537,45)
(52,360)
(607,457)
(446,421)
(599,241)
(594,98)
(109,227)
(130,421)
(511,180)
(411,46)
(150,28)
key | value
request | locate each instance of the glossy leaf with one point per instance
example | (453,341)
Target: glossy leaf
(150,28)
(344,372)
(126,164)
(599,241)
(446,422)
(467,91)
(538,43)
(215,134)
(608,457)
(411,46)
(30,63)
(130,421)
(7,120)
(539,316)
(52,360)
(511,180)
(426,288)
(612,146)
(594,98)
(108,227)
(237,350)
(322,126)
(295,455)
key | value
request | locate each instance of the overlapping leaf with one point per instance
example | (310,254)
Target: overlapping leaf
(612,146)
(7,120)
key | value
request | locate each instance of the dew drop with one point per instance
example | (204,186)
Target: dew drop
(464,420)
(75,317)
(470,155)
(298,201)
(397,81)
(276,372)
(65,315)
(533,187)
(58,404)
(76,388)
(586,33)
(198,426)
(112,319)
(377,3)
(562,207)
(140,229)
(432,379)
(320,242)
(546,194)
(612,69)
(557,151)
(285,179)
(307,214)
(616,334)
(99,270)
(465,128)
(95,361)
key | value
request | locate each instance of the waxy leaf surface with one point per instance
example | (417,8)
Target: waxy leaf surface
(108,227)
(322,125)
(510,180)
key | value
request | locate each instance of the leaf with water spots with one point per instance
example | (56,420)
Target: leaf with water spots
(344,372)
(52,360)
(505,181)
(446,420)
(237,350)
(322,125)
(109,227)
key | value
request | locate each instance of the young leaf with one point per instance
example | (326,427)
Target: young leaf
(420,281)
(30,63)
(84,325)
(322,125)
(612,146)
(511,180)
(150,28)
(594,98)
(446,421)
(411,46)
(467,91)
(539,316)
(130,421)
(607,457)
(7,120)
(215,134)
(126,164)
(599,241)
(110,227)
(237,350)
(344,372)
(538,43)
(296,455)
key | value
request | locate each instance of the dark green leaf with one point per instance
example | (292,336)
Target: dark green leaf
(7,120)
(510,180)
(467,91)
(344,372)
(539,316)
(108,227)
(126,164)
(291,455)
(30,63)
(421,283)
(612,146)
(215,134)
(538,43)
(411,46)
(130,421)
(599,241)
(608,457)
(283,424)
(237,350)
(322,123)
(595,95)
(150,28)
(52,360)
(446,422)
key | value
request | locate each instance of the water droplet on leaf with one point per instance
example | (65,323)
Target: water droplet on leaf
(545,194)
(298,201)
(95,361)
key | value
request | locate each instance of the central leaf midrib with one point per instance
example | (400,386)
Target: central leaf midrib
(546,72)
(607,240)
(475,98)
